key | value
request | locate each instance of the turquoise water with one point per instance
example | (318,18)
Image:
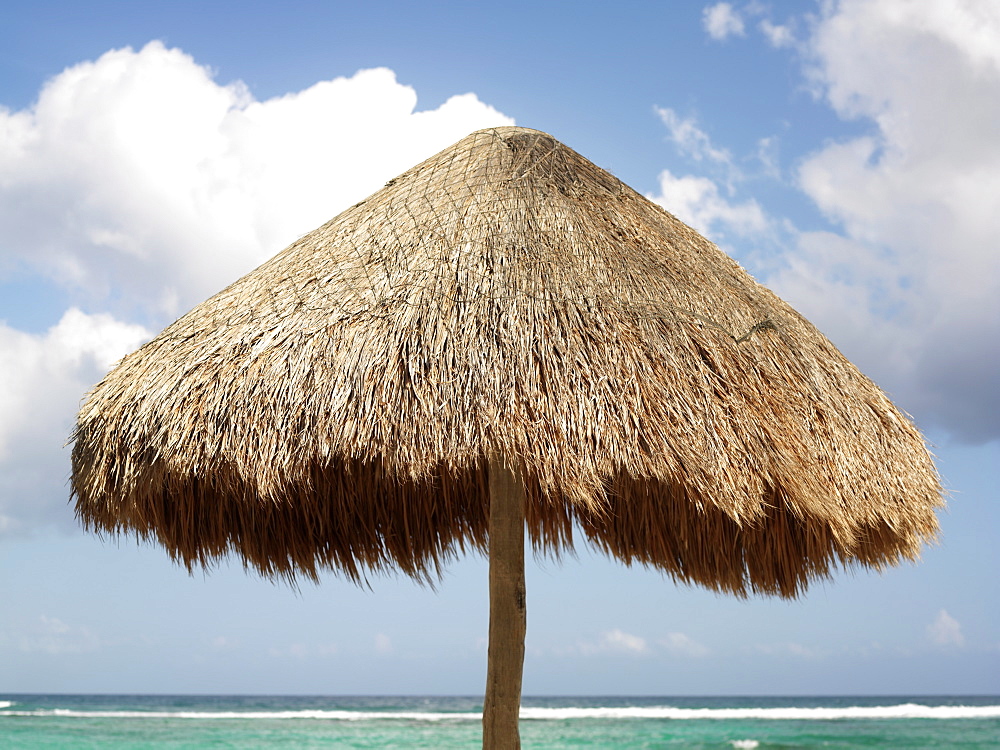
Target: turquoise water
(250,722)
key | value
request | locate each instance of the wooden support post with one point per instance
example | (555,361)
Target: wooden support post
(508,613)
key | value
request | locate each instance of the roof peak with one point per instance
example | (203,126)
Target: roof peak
(502,130)
(514,133)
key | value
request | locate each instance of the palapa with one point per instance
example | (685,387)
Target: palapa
(505,312)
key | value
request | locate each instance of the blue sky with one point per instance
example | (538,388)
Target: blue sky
(846,153)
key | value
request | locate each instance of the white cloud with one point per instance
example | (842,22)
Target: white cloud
(383,643)
(767,156)
(614,641)
(139,173)
(917,194)
(619,640)
(722,21)
(51,635)
(778,35)
(698,202)
(691,139)
(680,644)
(44,378)
(945,630)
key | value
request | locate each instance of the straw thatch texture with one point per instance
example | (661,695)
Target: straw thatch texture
(337,407)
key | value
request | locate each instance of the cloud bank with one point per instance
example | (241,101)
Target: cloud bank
(44,377)
(139,175)
(907,281)
(916,198)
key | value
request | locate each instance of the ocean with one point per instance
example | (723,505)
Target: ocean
(251,722)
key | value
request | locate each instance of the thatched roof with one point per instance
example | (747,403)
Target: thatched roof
(337,406)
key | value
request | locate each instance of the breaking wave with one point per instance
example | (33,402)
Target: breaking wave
(900,711)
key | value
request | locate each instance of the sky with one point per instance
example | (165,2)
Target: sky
(845,152)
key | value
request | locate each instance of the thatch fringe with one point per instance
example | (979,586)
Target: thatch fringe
(336,407)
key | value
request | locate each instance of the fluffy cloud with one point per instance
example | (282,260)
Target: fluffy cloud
(44,377)
(679,644)
(614,641)
(697,201)
(53,636)
(691,139)
(909,283)
(139,173)
(777,34)
(617,641)
(916,201)
(140,185)
(946,630)
(722,21)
